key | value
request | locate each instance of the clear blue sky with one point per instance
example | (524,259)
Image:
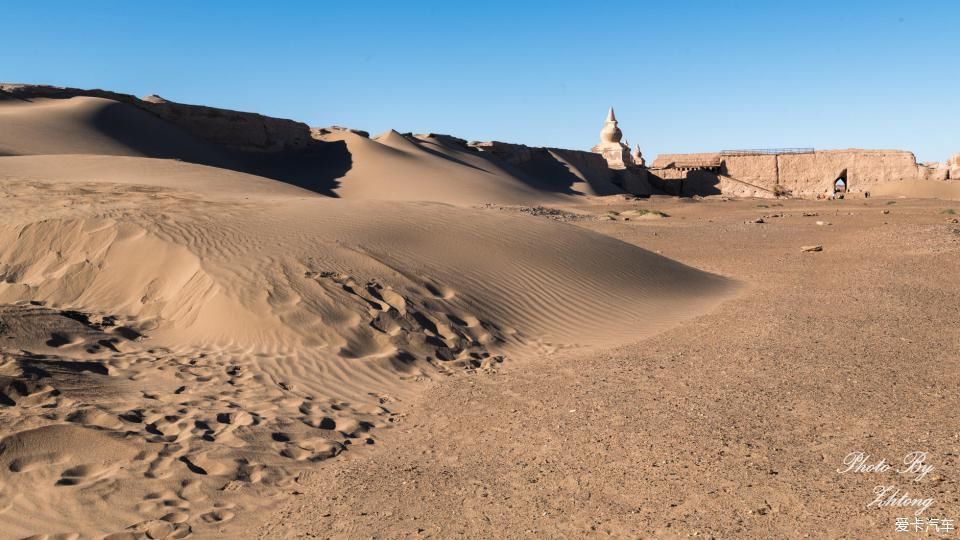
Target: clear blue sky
(683,76)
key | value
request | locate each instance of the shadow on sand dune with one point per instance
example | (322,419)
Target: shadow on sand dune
(315,167)
(542,170)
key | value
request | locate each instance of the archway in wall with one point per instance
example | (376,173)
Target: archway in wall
(841,184)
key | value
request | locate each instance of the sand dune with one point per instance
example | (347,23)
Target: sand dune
(181,340)
(143,174)
(90,125)
(337,163)
(551,171)
(919,189)
(175,230)
(392,166)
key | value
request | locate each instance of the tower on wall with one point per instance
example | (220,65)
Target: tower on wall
(611,148)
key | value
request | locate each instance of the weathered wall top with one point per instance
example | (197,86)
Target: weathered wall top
(709,159)
(802,172)
(665,160)
(233,129)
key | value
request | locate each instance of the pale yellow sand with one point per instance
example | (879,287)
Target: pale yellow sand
(88,125)
(394,167)
(916,189)
(390,166)
(730,425)
(182,343)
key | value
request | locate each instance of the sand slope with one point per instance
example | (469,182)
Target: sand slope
(89,125)
(552,171)
(919,189)
(338,163)
(732,425)
(180,342)
(540,267)
(392,166)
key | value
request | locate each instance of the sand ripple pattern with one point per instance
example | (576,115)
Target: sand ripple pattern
(178,345)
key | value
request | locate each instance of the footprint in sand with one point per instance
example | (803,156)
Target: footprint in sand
(305,447)
(204,463)
(28,463)
(218,516)
(95,418)
(463,320)
(158,528)
(85,474)
(58,339)
(192,491)
(439,291)
(163,501)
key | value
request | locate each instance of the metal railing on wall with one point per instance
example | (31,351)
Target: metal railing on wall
(766,151)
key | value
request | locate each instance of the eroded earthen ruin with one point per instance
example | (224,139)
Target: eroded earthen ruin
(265,145)
(798,172)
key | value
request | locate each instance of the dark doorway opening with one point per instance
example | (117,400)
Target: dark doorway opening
(841,185)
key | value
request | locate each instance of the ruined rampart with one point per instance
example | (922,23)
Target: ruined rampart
(235,130)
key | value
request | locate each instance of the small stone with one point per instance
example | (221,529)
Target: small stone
(758,220)
(817,247)
(886,211)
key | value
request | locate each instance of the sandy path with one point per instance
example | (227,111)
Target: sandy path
(732,425)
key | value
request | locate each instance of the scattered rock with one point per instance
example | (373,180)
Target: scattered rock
(758,220)
(644,213)
(886,211)
(817,247)
(543,211)
(810,214)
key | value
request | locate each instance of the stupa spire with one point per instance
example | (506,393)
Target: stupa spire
(611,117)
(610,135)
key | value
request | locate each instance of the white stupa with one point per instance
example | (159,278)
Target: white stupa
(615,152)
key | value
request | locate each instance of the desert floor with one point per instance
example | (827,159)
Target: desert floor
(189,349)
(731,425)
